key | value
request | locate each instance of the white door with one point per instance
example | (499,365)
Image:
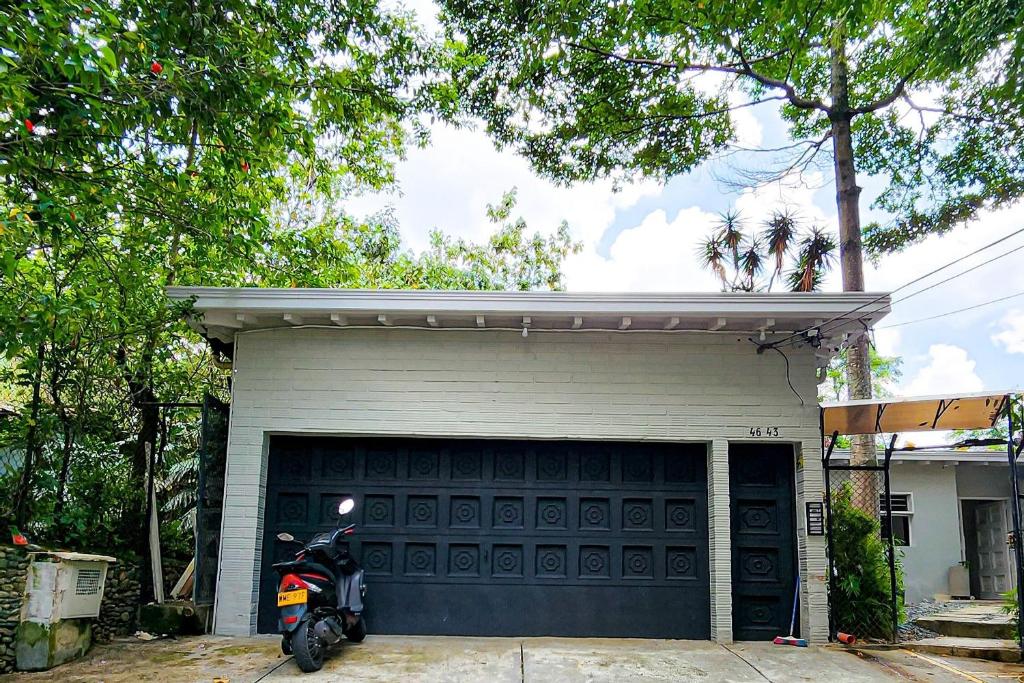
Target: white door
(993,554)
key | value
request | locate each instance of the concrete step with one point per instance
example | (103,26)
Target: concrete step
(967,628)
(993,649)
(981,620)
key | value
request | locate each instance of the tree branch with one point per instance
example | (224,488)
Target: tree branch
(898,91)
(744,68)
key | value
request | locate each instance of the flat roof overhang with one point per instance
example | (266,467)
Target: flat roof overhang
(915,414)
(221,312)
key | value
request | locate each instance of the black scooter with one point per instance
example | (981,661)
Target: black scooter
(320,595)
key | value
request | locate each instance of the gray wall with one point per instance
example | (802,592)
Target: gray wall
(983,481)
(936,538)
(710,388)
(935,527)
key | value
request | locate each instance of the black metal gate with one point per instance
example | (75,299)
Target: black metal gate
(213,450)
(505,538)
(863,601)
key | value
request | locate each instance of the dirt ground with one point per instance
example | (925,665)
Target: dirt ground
(201,658)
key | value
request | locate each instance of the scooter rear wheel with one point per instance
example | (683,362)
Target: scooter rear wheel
(308,648)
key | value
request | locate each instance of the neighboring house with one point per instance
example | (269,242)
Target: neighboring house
(532,463)
(952,507)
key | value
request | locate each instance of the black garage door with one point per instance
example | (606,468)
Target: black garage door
(505,538)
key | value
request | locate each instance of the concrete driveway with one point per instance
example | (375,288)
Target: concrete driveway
(409,659)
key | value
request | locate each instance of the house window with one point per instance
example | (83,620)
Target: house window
(902,507)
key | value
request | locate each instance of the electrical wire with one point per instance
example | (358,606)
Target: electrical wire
(788,380)
(953,277)
(959,310)
(843,316)
(825,332)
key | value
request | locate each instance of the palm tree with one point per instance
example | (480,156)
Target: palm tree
(739,260)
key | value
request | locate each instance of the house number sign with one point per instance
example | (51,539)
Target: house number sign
(815,518)
(764,431)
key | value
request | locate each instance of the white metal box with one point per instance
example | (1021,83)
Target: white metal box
(64,586)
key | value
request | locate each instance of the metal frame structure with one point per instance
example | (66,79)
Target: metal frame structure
(943,405)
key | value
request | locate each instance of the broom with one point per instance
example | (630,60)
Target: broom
(791,639)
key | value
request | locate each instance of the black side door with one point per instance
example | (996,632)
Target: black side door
(763,533)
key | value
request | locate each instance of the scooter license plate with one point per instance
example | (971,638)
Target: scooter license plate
(297,597)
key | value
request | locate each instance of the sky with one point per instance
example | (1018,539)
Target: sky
(644,237)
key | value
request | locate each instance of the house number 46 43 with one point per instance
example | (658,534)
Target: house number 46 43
(764,431)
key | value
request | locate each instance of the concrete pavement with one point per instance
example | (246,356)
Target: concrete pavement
(411,659)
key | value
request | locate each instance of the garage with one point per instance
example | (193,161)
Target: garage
(503,538)
(533,463)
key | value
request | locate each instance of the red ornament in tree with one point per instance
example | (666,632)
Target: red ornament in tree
(156,67)
(245,166)
(29,126)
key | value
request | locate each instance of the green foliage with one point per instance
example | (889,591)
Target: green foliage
(649,89)
(739,260)
(885,375)
(860,589)
(1012,607)
(145,144)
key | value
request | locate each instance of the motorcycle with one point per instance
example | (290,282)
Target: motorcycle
(320,596)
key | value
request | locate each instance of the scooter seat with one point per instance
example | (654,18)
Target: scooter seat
(299,566)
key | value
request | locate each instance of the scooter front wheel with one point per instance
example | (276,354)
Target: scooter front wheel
(308,648)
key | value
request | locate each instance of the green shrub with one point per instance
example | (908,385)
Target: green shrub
(1011,607)
(860,590)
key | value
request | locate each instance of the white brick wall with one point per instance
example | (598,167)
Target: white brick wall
(584,385)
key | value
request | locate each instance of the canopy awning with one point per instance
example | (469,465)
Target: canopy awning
(914,414)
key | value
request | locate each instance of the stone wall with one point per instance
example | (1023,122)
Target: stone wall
(120,607)
(13,565)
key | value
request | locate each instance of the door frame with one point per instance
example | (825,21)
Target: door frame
(793,470)
(269,435)
(1007,517)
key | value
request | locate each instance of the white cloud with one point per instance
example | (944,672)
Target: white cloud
(657,255)
(661,254)
(887,342)
(449,184)
(1012,336)
(949,370)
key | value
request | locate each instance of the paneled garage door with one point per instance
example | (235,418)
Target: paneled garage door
(505,538)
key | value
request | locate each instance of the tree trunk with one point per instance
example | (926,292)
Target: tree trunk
(62,478)
(858,367)
(149,428)
(21,501)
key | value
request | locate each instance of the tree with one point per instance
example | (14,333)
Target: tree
(739,260)
(144,144)
(886,372)
(627,89)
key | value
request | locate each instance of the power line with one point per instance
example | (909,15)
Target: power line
(953,277)
(901,287)
(959,310)
(934,285)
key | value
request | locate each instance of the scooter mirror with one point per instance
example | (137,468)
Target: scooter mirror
(346,506)
(285,537)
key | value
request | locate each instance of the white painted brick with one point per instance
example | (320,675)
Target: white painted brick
(679,387)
